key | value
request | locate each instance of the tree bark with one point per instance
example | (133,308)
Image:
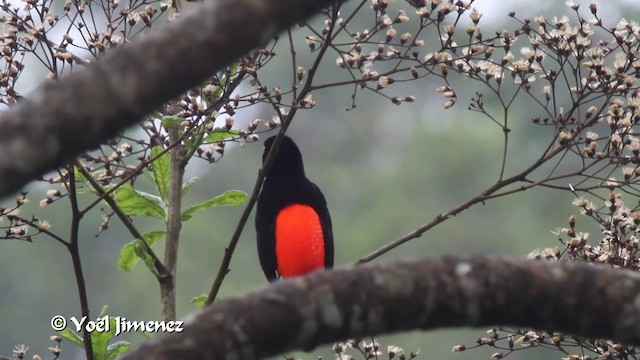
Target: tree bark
(573,298)
(64,118)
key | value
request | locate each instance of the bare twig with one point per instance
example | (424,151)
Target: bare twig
(87,107)
(228,253)
(74,250)
(162,271)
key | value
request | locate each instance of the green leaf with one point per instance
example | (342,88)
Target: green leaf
(187,185)
(72,336)
(150,263)
(100,339)
(229,198)
(128,257)
(199,300)
(233,69)
(103,310)
(220,134)
(149,175)
(132,252)
(83,180)
(152,237)
(134,202)
(161,171)
(79,176)
(170,121)
(116,349)
(190,145)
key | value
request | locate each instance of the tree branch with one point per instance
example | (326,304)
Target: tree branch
(329,306)
(177,163)
(88,107)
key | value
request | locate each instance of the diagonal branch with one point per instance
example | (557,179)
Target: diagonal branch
(90,106)
(163,274)
(329,306)
(223,270)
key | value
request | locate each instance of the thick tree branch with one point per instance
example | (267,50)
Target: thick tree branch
(331,306)
(62,119)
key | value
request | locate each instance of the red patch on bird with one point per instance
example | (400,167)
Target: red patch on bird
(299,241)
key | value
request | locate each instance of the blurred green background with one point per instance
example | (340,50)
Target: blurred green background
(384,170)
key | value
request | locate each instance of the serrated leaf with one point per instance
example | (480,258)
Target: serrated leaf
(161,171)
(188,185)
(134,202)
(171,120)
(132,252)
(229,198)
(220,134)
(116,349)
(72,336)
(199,300)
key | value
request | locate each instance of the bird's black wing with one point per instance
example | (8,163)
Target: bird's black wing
(265,232)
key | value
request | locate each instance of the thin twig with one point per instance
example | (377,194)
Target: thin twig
(74,250)
(162,271)
(223,270)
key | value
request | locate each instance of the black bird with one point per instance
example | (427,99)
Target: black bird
(293,224)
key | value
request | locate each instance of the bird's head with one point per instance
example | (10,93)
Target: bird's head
(288,160)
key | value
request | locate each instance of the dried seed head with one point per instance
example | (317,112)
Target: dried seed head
(43,225)
(274,122)
(475,16)
(383,82)
(254,124)
(414,72)
(53,192)
(405,37)
(309,101)
(391,33)
(278,93)
(228,123)
(311,42)
(591,110)
(564,137)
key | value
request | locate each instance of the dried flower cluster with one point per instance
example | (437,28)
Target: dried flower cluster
(20,350)
(370,350)
(506,341)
